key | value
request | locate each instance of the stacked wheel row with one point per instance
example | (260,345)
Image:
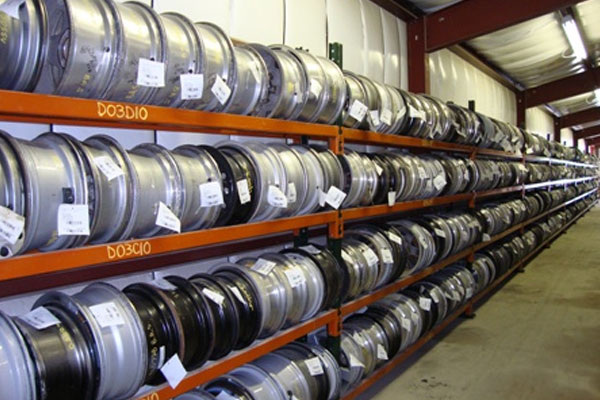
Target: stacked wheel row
(127,52)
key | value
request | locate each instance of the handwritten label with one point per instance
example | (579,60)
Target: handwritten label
(128,250)
(166,219)
(220,89)
(11,225)
(391,198)
(151,73)
(211,194)
(295,277)
(386,116)
(40,318)
(335,197)
(192,86)
(386,254)
(108,167)
(73,220)
(425,303)
(276,197)
(314,366)
(263,266)
(358,110)
(121,111)
(107,315)
(244,191)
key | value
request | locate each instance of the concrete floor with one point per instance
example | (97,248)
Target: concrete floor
(538,337)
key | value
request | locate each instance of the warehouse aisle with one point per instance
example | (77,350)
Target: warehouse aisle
(536,339)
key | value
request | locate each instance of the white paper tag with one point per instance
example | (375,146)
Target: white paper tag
(311,249)
(422,173)
(335,197)
(211,194)
(73,220)
(371,257)
(108,167)
(225,396)
(406,324)
(236,292)
(11,7)
(486,237)
(374,118)
(292,194)
(347,258)
(386,116)
(151,73)
(192,86)
(263,266)
(355,362)
(322,198)
(174,371)
(315,87)
(40,318)
(439,182)
(214,296)
(382,353)
(434,296)
(391,198)
(314,366)
(394,238)
(11,225)
(295,277)
(163,284)
(358,110)
(440,233)
(243,191)
(469,293)
(166,219)
(220,89)
(276,197)
(386,254)
(378,169)
(107,315)
(425,303)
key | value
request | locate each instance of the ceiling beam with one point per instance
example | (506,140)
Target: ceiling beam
(403,10)
(593,142)
(471,56)
(572,85)
(472,18)
(581,117)
(587,133)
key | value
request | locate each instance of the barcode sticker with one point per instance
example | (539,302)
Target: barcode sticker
(151,73)
(11,225)
(192,86)
(73,220)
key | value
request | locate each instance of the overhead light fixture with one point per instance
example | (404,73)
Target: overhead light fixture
(574,36)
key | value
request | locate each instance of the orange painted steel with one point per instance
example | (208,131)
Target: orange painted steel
(42,263)
(217,368)
(29,107)
(396,361)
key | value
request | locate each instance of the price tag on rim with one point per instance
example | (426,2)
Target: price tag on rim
(263,266)
(295,277)
(211,194)
(276,197)
(107,315)
(440,233)
(244,191)
(406,324)
(311,249)
(391,199)
(292,194)
(371,257)
(220,89)
(40,318)
(214,296)
(378,169)
(439,182)
(151,73)
(108,167)
(386,117)
(11,225)
(394,238)
(486,237)
(174,371)
(166,219)
(73,220)
(358,110)
(355,362)
(314,366)
(347,258)
(236,292)
(335,197)
(316,88)
(374,118)
(386,254)
(425,303)
(192,86)
(382,353)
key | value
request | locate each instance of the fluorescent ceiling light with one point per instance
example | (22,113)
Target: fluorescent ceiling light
(574,36)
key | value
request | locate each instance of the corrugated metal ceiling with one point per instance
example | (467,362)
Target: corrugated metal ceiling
(575,103)
(430,6)
(589,15)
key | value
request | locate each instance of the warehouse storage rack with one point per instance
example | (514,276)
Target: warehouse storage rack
(36,271)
